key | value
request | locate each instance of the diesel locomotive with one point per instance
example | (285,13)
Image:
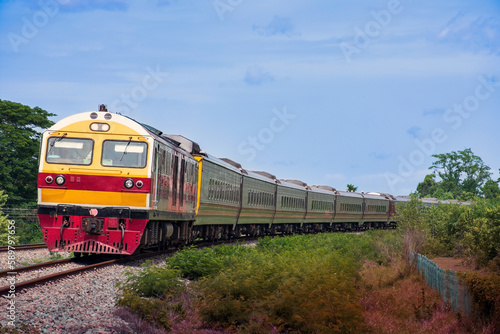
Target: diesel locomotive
(110,184)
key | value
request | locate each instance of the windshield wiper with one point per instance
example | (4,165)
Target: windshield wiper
(125,150)
(56,141)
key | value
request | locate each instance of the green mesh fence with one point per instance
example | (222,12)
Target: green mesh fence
(447,283)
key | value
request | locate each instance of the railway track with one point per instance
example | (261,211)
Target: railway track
(11,275)
(22,247)
(35,266)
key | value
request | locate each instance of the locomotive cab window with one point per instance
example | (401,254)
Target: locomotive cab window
(117,153)
(71,151)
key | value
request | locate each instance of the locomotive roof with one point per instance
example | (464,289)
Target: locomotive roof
(103,117)
(185,143)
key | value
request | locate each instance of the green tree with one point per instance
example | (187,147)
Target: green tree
(4,223)
(491,189)
(427,187)
(351,188)
(442,195)
(20,127)
(462,173)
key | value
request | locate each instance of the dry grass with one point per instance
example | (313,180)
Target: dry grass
(407,305)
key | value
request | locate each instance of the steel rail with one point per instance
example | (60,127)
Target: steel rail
(18,286)
(22,247)
(35,266)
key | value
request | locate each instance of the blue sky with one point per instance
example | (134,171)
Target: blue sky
(328,92)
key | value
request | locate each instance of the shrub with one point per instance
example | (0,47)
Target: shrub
(309,288)
(152,281)
(485,292)
(148,292)
(193,263)
(149,309)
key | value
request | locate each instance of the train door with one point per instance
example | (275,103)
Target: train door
(155,191)
(160,180)
(392,209)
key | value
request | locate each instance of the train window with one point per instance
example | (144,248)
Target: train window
(169,163)
(210,188)
(71,151)
(161,162)
(117,153)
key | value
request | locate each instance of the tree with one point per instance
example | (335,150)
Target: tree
(4,223)
(462,173)
(20,135)
(351,188)
(491,189)
(428,187)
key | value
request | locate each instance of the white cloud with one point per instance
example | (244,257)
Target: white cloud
(278,26)
(257,75)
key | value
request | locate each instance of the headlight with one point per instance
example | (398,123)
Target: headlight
(60,179)
(129,183)
(139,184)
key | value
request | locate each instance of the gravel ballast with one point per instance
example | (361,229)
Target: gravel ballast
(83,303)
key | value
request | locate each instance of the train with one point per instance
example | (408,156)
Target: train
(109,184)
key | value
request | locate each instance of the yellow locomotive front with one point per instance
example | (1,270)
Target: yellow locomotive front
(94,183)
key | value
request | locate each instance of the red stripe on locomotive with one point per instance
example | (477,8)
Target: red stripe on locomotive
(94,182)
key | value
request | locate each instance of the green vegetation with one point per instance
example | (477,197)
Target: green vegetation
(139,288)
(19,151)
(463,175)
(485,292)
(4,224)
(296,284)
(325,283)
(300,283)
(351,188)
(20,128)
(28,231)
(471,233)
(456,230)
(27,228)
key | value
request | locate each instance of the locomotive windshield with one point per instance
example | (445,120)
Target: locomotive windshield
(72,151)
(124,153)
